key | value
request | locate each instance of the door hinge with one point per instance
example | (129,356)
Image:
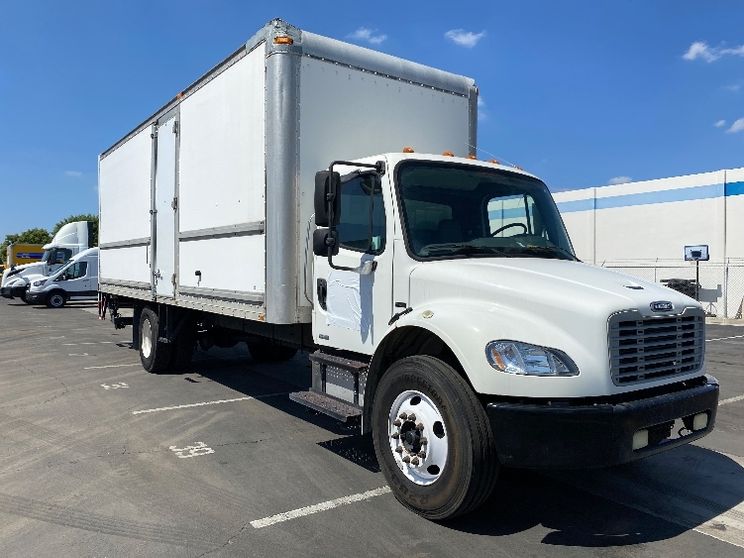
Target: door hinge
(154,134)
(173,280)
(175,127)
(174,203)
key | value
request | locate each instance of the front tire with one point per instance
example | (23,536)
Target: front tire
(432,439)
(154,354)
(56,299)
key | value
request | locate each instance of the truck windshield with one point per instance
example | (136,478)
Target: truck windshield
(456,211)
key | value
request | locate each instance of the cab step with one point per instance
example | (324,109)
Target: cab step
(334,408)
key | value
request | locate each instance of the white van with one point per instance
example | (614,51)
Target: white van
(77,280)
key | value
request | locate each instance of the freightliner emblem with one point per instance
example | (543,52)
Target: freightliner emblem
(662,306)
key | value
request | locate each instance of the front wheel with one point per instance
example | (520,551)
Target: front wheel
(432,439)
(55,299)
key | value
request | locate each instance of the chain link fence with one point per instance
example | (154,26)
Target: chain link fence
(721,288)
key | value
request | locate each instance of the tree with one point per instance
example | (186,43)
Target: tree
(30,236)
(81,217)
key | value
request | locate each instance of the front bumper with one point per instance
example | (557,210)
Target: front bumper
(597,433)
(35,298)
(13,292)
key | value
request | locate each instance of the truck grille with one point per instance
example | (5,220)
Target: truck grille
(643,349)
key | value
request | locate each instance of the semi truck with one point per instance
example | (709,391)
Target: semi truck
(315,195)
(71,239)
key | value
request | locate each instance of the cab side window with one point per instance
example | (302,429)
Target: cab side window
(75,271)
(362,224)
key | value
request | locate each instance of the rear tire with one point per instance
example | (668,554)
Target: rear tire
(459,467)
(56,299)
(154,354)
(266,351)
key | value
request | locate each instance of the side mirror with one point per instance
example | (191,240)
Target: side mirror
(323,240)
(327,200)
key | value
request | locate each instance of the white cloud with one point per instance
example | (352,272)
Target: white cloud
(367,35)
(720,123)
(463,38)
(73,173)
(482,111)
(703,51)
(619,180)
(737,126)
(734,87)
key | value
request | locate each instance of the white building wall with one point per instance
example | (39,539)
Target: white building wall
(642,227)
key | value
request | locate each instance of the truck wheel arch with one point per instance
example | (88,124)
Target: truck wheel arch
(403,342)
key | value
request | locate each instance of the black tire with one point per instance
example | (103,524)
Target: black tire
(471,469)
(154,354)
(55,299)
(266,351)
(183,346)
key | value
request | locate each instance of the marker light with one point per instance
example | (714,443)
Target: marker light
(283,40)
(494,161)
(472,156)
(448,153)
(408,149)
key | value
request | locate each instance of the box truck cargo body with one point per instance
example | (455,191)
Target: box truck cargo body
(273,202)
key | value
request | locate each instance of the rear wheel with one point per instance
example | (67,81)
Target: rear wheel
(154,354)
(265,351)
(432,439)
(56,299)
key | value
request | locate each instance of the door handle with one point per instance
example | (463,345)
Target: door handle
(322,291)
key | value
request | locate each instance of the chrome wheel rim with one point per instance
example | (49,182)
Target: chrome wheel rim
(146,339)
(418,437)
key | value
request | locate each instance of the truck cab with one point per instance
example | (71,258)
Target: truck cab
(458,280)
(76,280)
(71,239)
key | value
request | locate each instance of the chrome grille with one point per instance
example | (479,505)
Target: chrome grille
(643,349)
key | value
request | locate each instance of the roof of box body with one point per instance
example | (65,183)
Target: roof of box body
(322,48)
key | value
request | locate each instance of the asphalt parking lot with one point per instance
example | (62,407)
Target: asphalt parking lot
(101,458)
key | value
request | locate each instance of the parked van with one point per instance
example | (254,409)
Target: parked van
(77,280)
(71,239)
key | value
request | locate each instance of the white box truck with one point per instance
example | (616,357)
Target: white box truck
(70,239)
(271,202)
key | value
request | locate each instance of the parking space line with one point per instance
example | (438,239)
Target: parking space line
(88,343)
(731,400)
(724,338)
(315,508)
(111,366)
(205,403)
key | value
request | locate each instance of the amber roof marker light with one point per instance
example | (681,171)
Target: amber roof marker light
(408,149)
(448,153)
(283,40)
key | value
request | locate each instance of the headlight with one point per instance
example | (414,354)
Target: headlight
(514,357)
(39,283)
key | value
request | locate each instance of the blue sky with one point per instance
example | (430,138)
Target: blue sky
(578,92)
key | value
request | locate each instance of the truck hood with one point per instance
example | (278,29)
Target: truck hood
(534,285)
(19,271)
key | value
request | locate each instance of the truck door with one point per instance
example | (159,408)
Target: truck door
(351,308)
(165,206)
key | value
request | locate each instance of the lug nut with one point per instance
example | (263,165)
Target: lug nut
(399,449)
(420,426)
(395,435)
(422,454)
(406,459)
(397,423)
(403,416)
(415,461)
(411,417)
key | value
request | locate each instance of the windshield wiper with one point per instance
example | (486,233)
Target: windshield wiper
(464,249)
(547,252)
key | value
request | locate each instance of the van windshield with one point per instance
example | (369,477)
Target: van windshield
(457,211)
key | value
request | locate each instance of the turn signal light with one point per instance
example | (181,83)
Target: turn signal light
(494,161)
(472,156)
(408,149)
(283,40)
(448,153)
